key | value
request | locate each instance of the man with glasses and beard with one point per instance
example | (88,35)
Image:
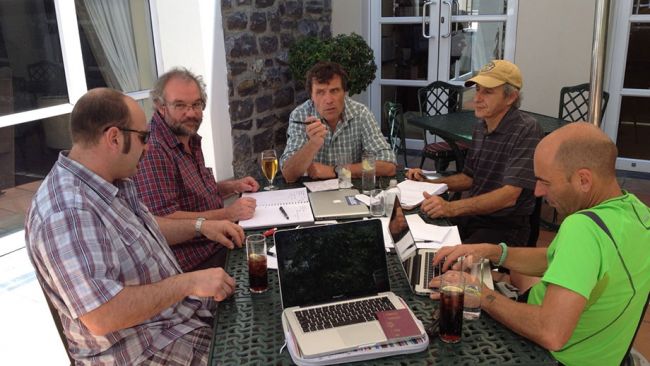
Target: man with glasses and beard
(104,261)
(173,180)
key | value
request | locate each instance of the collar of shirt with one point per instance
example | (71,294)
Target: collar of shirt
(504,126)
(105,190)
(160,128)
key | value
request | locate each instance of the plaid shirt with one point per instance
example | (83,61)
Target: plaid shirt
(356,133)
(88,239)
(170,180)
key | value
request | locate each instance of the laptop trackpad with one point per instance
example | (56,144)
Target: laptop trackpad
(362,334)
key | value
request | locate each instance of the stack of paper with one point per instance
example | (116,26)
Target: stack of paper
(411,192)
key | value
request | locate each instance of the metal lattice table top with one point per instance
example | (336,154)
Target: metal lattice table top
(248,330)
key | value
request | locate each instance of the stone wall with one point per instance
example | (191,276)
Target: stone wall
(258,34)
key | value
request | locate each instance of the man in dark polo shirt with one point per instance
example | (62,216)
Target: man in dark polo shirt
(498,172)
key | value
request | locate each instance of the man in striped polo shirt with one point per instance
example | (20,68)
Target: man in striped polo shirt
(498,172)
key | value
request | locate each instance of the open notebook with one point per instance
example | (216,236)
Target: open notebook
(294,202)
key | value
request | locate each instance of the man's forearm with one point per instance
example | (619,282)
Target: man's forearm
(527,261)
(382,169)
(298,163)
(486,203)
(456,183)
(177,230)
(135,304)
(523,319)
(216,214)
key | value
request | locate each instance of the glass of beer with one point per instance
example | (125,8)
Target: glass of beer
(258,280)
(269,167)
(452,294)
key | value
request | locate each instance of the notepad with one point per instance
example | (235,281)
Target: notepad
(295,203)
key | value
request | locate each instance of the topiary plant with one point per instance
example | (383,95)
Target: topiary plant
(349,50)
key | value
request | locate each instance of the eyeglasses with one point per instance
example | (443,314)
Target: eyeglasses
(142,135)
(181,107)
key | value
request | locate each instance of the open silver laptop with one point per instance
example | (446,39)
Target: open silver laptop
(415,262)
(324,269)
(338,204)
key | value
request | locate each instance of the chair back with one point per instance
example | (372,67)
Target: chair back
(534,223)
(440,97)
(396,128)
(574,103)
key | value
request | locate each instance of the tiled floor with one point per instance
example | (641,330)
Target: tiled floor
(21,297)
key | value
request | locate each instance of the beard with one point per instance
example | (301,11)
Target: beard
(180,128)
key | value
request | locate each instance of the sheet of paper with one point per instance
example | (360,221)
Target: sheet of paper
(426,232)
(411,192)
(271,262)
(388,240)
(363,199)
(322,185)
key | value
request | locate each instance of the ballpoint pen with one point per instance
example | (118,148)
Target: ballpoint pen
(284,213)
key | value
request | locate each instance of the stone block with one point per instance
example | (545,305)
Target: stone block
(241,46)
(247,87)
(268,44)
(274,21)
(262,141)
(283,97)
(263,3)
(258,22)
(241,109)
(263,103)
(308,28)
(237,21)
(237,68)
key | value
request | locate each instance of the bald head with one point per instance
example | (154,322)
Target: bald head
(95,111)
(580,145)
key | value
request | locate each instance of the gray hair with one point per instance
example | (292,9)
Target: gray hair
(508,90)
(158,91)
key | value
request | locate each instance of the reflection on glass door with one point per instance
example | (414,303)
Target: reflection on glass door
(627,119)
(418,42)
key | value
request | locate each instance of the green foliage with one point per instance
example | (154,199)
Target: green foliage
(351,51)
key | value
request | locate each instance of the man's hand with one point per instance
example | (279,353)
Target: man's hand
(415,174)
(212,282)
(435,206)
(316,131)
(321,171)
(449,255)
(223,232)
(242,209)
(246,184)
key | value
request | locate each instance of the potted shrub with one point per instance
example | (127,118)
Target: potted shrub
(349,50)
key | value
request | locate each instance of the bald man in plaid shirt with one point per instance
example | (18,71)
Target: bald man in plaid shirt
(104,261)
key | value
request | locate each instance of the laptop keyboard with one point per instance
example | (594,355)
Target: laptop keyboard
(431,271)
(342,314)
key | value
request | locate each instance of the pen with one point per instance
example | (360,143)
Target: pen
(284,213)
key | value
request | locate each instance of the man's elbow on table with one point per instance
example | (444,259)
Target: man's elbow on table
(385,169)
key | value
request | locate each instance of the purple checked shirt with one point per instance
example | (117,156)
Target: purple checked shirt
(88,239)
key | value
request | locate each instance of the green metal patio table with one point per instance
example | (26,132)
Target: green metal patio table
(248,328)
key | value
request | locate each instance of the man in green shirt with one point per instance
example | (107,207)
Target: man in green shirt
(593,287)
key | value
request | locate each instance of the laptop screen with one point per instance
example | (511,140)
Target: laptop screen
(400,233)
(327,263)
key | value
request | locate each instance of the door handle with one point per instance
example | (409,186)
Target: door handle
(442,20)
(424,18)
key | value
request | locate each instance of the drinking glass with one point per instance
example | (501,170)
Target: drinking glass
(367,172)
(269,167)
(344,173)
(452,293)
(258,279)
(473,270)
(377,202)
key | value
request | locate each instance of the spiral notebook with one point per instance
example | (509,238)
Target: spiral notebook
(294,202)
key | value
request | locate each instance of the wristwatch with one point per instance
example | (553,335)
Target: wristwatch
(197,226)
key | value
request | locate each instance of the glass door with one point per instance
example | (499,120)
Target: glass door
(627,117)
(418,42)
